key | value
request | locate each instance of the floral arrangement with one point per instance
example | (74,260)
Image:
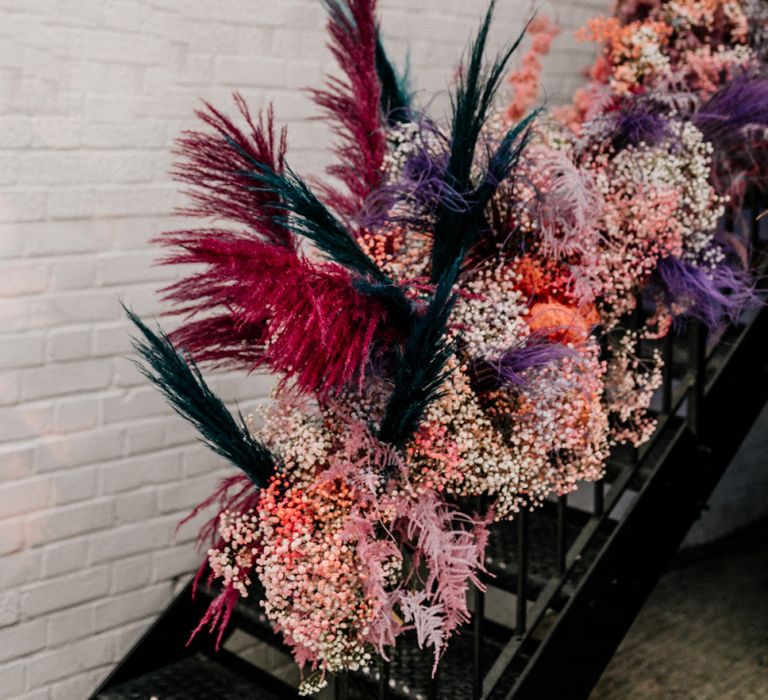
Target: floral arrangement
(700,60)
(631,182)
(447,314)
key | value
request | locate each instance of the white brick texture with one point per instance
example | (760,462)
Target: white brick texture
(95,471)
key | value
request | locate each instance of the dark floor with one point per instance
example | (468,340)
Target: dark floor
(703,634)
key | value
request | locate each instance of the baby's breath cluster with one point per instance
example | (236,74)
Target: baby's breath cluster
(459,450)
(490,314)
(310,575)
(630,384)
(520,442)
(233,561)
(658,202)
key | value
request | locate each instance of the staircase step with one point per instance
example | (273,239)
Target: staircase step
(411,668)
(199,677)
(502,553)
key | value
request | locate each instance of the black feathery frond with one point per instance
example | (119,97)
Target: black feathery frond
(503,161)
(180,381)
(305,215)
(464,225)
(395,94)
(475,90)
(420,366)
(476,87)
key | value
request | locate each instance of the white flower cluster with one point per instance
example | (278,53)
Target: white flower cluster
(490,317)
(681,164)
(234,561)
(485,461)
(659,202)
(402,140)
(630,383)
(701,15)
(515,444)
(296,436)
(647,59)
(310,573)
(571,423)
(701,208)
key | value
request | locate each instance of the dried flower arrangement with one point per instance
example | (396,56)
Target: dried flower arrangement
(447,313)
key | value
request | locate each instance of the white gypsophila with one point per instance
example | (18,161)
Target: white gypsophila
(299,440)
(652,59)
(647,58)
(702,207)
(491,316)
(630,384)
(681,163)
(401,143)
(509,456)
(486,463)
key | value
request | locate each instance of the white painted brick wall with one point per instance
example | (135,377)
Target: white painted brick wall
(95,471)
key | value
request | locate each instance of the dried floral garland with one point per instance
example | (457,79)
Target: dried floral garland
(436,318)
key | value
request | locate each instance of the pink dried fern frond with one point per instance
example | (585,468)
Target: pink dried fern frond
(427,619)
(451,547)
(569,204)
(375,555)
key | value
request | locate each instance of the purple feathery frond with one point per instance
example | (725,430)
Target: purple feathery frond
(735,121)
(743,102)
(638,122)
(425,179)
(421,185)
(713,296)
(538,352)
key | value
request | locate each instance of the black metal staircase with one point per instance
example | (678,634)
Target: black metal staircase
(569,578)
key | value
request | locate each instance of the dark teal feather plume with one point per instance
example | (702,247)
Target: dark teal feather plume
(396,97)
(455,231)
(420,366)
(180,381)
